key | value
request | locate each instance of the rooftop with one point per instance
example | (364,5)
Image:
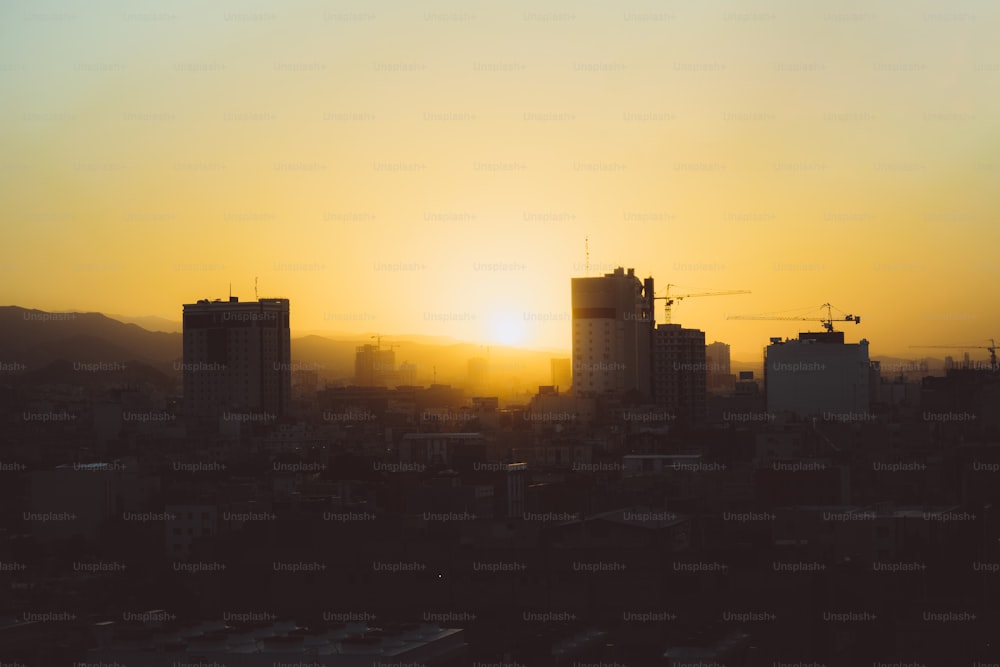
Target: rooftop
(335,643)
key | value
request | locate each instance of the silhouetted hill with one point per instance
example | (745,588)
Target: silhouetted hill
(150,322)
(35,338)
(88,348)
(95,374)
(335,356)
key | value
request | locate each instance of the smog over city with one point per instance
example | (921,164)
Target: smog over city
(455,335)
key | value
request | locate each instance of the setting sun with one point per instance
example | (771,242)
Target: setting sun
(507,329)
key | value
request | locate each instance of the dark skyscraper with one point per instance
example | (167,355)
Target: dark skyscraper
(237,357)
(679,377)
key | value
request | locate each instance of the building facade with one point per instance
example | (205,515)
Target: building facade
(720,378)
(818,375)
(562,373)
(374,367)
(678,373)
(237,358)
(612,334)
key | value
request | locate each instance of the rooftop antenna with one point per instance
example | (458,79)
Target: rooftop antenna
(230,290)
(257,298)
(586,251)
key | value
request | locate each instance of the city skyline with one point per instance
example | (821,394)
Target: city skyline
(369,333)
(436,171)
(790,323)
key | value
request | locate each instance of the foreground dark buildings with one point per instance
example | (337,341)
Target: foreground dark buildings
(428,526)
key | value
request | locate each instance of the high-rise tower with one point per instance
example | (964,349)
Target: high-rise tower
(612,334)
(237,358)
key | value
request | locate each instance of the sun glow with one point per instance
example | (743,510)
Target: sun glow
(507,329)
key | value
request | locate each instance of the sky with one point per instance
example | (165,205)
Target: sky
(445,168)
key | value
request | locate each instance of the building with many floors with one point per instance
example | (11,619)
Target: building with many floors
(679,372)
(237,358)
(612,334)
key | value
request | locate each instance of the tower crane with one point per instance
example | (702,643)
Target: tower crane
(992,348)
(826,321)
(669,299)
(378,342)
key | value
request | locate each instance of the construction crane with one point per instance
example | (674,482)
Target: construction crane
(378,343)
(669,299)
(992,348)
(827,321)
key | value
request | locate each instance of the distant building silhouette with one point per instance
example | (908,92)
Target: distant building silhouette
(970,397)
(374,367)
(718,354)
(562,374)
(720,378)
(237,358)
(612,334)
(478,378)
(406,374)
(746,385)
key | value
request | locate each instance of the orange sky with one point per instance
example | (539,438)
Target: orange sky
(435,167)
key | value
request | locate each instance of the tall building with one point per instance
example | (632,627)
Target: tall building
(478,378)
(237,358)
(717,360)
(406,374)
(562,373)
(612,334)
(679,380)
(374,367)
(818,375)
